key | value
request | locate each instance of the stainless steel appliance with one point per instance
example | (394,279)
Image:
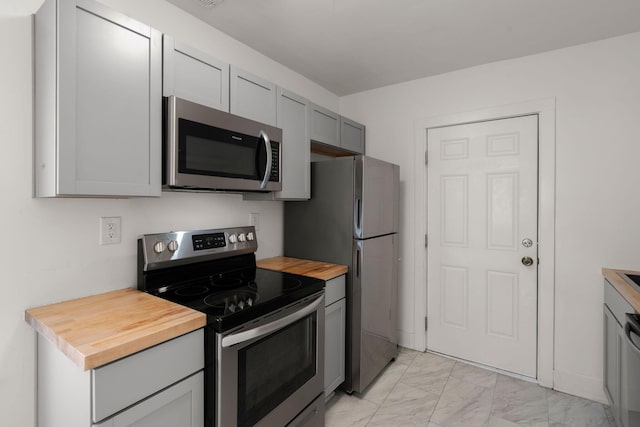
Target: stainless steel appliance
(352,219)
(264,339)
(210,149)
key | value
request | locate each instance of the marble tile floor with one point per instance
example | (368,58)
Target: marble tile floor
(424,389)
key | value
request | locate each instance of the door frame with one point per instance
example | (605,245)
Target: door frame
(546,111)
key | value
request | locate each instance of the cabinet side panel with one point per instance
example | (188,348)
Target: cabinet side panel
(63,389)
(45,101)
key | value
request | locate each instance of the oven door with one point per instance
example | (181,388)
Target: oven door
(268,371)
(212,149)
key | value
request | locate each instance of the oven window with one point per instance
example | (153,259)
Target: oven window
(206,150)
(270,370)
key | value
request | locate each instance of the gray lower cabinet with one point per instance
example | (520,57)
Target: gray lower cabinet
(98,104)
(180,405)
(612,359)
(252,97)
(147,388)
(191,74)
(615,308)
(335,338)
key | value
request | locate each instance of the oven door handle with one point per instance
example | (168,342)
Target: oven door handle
(243,336)
(267,169)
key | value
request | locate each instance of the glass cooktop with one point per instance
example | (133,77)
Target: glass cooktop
(232,298)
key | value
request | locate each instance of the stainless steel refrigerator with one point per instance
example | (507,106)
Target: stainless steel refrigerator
(352,219)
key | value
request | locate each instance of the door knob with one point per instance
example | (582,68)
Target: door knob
(527,260)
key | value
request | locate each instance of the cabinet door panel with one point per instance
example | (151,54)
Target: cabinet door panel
(252,97)
(193,75)
(129,380)
(181,405)
(351,135)
(334,345)
(324,126)
(109,66)
(293,120)
(611,361)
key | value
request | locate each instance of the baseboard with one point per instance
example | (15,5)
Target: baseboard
(579,385)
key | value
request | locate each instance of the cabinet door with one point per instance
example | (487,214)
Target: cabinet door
(351,135)
(194,75)
(612,354)
(110,105)
(334,345)
(324,126)
(181,405)
(252,97)
(293,119)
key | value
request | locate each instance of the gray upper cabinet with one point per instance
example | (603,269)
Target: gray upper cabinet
(98,102)
(333,134)
(194,75)
(351,135)
(252,97)
(293,119)
(324,126)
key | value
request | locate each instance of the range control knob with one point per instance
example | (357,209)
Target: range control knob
(159,247)
(242,237)
(250,236)
(173,245)
(233,238)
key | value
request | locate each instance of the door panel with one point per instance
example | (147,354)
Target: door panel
(482,203)
(376,284)
(377,195)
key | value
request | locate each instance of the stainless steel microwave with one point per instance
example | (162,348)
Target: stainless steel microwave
(209,149)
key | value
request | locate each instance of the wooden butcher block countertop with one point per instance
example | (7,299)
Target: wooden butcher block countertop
(627,291)
(99,329)
(304,267)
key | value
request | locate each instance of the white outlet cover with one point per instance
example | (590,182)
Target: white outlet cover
(110,230)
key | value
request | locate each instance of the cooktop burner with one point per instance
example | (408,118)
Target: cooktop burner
(191,291)
(232,301)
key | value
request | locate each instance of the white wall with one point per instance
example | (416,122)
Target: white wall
(49,250)
(597,93)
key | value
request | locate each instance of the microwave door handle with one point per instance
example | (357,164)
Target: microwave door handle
(243,336)
(267,170)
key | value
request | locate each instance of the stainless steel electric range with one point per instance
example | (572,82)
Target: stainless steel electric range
(264,339)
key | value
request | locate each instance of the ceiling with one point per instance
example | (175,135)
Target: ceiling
(349,46)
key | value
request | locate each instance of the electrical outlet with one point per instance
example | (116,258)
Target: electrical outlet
(254,219)
(110,230)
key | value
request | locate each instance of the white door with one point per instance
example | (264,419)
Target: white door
(482,230)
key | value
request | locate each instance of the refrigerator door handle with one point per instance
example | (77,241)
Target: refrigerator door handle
(358,216)
(358,255)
